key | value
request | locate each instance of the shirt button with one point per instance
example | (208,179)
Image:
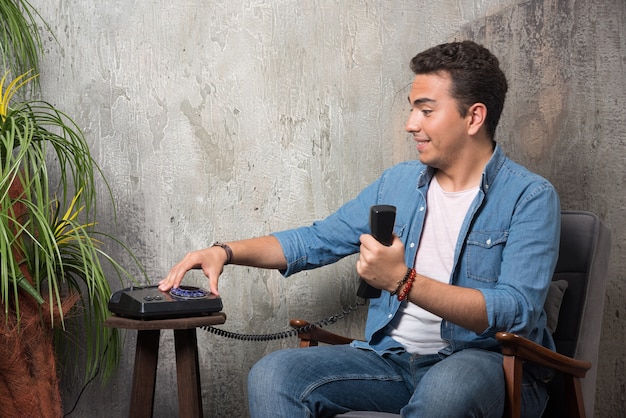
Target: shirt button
(488,241)
(390,316)
(412,245)
(422,209)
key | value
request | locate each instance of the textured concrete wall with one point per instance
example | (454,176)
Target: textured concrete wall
(229,119)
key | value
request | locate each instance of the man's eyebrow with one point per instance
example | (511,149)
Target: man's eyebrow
(420,101)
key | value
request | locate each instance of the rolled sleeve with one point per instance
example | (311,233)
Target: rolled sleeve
(326,241)
(294,251)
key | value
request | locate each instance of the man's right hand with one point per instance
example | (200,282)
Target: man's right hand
(211,260)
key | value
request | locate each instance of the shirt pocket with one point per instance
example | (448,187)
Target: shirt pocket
(398,229)
(484,255)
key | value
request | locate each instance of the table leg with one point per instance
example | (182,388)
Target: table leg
(144,374)
(188,373)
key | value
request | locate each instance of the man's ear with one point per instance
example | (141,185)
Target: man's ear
(477,115)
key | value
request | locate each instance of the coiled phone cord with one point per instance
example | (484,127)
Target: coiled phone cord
(283,334)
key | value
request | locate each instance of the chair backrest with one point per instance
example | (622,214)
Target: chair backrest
(583,262)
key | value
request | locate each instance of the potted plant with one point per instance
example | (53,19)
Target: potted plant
(50,249)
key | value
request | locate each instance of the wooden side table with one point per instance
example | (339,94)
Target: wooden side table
(146,359)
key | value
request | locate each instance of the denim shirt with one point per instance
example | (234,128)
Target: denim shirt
(507,248)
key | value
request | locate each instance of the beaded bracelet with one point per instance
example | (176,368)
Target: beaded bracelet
(402,282)
(407,286)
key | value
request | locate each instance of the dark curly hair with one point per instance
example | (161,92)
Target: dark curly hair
(475,73)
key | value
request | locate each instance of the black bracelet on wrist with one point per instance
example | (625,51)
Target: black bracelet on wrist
(229,251)
(402,282)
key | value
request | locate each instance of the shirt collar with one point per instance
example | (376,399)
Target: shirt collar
(489,174)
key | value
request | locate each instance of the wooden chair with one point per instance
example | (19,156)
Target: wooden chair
(576,313)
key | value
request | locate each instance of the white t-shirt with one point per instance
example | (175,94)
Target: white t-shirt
(418,330)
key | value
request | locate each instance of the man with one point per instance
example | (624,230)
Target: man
(475,245)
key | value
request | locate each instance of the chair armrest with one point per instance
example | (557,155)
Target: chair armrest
(515,345)
(312,335)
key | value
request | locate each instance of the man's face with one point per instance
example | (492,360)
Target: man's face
(435,122)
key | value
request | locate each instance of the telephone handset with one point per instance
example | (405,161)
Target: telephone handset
(382,220)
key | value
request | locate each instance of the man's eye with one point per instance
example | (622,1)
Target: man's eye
(426,112)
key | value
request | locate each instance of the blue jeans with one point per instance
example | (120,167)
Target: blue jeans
(328,380)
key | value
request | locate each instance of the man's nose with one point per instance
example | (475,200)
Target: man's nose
(412,122)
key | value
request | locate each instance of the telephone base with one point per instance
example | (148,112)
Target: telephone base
(148,302)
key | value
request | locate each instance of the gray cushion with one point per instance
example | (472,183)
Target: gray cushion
(553,303)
